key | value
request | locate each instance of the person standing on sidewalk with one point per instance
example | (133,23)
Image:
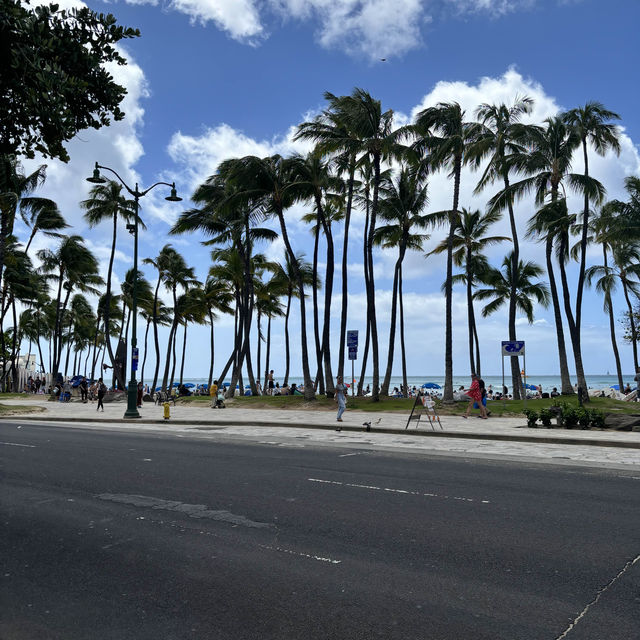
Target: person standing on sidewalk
(213,394)
(340,397)
(102,389)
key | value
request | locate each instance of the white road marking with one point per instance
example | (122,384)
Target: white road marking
(583,613)
(15,444)
(404,491)
(300,554)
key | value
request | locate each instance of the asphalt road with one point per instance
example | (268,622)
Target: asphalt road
(127,536)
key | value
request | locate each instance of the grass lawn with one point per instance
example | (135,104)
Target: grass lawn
(511,408)
(12,409)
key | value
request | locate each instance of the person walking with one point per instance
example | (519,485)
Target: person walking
(475,395)
(340,397)
(140,395)
(84,389)
(102,389)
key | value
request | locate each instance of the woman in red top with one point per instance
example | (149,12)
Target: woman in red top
(475,395)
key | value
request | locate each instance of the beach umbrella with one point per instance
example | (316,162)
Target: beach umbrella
(431,385)
(615,386)
(189,385)
(531,386)
(226,384)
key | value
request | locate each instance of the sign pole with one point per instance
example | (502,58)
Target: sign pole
(504,400)
(353,380)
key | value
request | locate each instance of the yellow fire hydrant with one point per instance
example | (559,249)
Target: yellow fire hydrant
(167,411)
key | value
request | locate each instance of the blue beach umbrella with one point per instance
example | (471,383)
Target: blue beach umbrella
(531,386)
(431,385)
(189,385)
(615,386)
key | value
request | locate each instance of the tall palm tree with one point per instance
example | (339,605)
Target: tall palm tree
(71,266)
(468,242)
(160,263)
(334,133)
(444,136)
(176,275)
(499,289)
(315,181)
(284,277)
(604,231)
(271,307)
(16,188)
(401,204)
(502,139)
(106,202)
(47,218)
(218,299)
(269,184)
(163,318)
(591,126)
(549,166)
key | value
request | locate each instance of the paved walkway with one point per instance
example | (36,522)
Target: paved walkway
(496,436)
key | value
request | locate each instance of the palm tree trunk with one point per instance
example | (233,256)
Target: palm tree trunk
(345,245)
(212,350)
(259,342)
(371,294)
(146,342)
(326,330)
(405,385)
(365,262)
(107,306)
(584,240)
(155,334)
(632,324)
(287,354)
(174,328)
(184,351)
(309,391)
(566,387)
(608,305)
(316,320)
(447,395)
(392,328)
(174,359)
(267,355)
(516,378)
(573,330)
(365,356)
(470,315)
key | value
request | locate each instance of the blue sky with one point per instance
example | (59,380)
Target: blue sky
(210,79)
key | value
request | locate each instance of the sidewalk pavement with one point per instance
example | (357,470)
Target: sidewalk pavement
(495,436)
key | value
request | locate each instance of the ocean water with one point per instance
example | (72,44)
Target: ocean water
(594,381)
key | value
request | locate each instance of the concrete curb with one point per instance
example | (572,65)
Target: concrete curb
(203,425)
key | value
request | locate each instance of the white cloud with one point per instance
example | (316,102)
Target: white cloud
(240,18)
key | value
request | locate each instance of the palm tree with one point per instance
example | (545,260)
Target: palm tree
(284,277)
(162,318)
(501,140)
(401,204)
(549,166)
(270,306)
(46,218)
(315,181)
(590,125)
(334,134)
(443,134)
(192,307)
(160,262)
(176,275)
(106,202)
(72,266)
(269,184)
(527,291)
(217,298)
(604,227)
(16,188)
(468,242)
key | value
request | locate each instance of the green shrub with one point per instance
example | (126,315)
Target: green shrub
(584,417)
(569,417)
(532,417)
(597,418)
(545,417)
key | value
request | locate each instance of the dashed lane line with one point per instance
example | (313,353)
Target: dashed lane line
(16,444)
(400,491)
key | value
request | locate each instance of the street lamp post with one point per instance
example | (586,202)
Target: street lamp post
(96,178)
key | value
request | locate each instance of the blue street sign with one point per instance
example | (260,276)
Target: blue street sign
(513,347)
(134,360)
(352,339)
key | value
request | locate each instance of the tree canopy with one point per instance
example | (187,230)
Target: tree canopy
(53,79)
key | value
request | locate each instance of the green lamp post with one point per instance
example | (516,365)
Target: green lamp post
(97,178)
